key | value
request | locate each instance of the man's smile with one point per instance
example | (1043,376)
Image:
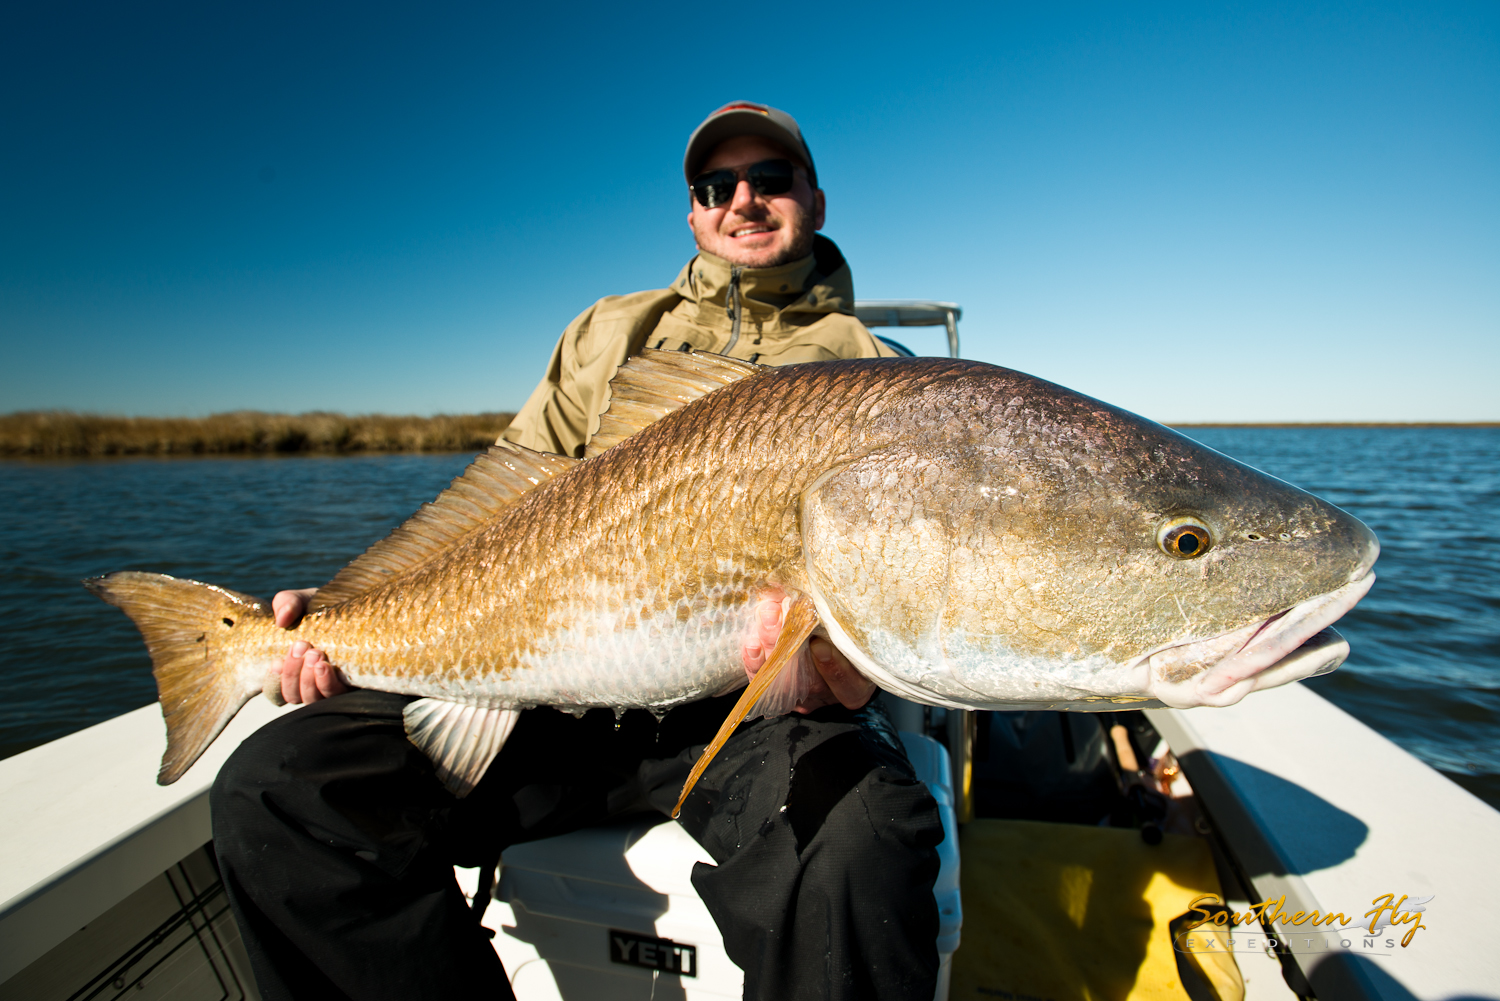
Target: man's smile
(751,230)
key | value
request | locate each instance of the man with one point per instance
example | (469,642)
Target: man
(337,841)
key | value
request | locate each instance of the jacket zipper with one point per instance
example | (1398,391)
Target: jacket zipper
(734,309)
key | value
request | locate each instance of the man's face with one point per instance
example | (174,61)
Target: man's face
(754,230)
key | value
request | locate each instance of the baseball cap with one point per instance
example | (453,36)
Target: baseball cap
(746,118)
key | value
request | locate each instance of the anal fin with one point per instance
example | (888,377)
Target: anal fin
(461,740)
(797,625)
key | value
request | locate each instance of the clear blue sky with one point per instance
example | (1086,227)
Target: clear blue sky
(1196,211)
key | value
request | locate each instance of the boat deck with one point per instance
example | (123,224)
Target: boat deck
(1306,801)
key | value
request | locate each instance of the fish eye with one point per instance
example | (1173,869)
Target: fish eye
(1184,538)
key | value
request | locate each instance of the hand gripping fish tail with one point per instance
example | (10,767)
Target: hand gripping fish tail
(189,629)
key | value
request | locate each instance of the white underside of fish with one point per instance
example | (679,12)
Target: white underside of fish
(953,672)
(607,659)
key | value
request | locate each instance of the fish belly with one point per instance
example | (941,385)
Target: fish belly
(601,656)
(956,672)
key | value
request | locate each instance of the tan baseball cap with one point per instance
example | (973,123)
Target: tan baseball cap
(746,118)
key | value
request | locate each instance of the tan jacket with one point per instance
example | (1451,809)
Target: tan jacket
(799,312)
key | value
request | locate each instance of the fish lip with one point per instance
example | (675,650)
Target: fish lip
(1266,624)
(1261,654)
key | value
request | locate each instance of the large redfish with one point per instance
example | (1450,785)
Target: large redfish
(967,535)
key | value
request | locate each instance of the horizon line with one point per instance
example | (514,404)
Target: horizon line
(490,414)
(1331,424)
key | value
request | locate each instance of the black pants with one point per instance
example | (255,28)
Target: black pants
(337,842)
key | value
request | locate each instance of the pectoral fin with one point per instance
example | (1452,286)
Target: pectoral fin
(791,686)
(460,740)
(796,627)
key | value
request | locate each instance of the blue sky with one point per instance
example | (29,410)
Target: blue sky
(1199,212)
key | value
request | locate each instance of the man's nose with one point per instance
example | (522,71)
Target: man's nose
(744,196)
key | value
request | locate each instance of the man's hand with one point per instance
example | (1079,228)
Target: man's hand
(306,675)
(837,681)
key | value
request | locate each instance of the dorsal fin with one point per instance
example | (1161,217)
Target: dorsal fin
(493,481)
(652,384)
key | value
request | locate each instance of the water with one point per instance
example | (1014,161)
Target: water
(251,524)
(1425,669)
(1425,663)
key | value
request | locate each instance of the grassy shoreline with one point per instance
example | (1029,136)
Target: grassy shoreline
(41,433)
(66,433)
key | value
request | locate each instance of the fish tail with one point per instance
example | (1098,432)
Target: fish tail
(186,626)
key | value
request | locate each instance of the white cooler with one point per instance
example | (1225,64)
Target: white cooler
(610,912)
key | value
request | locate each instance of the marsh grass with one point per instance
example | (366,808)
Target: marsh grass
(61,432)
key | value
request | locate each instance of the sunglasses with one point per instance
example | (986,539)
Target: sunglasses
(769,177)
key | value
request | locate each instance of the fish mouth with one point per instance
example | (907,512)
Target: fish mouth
(1291,645)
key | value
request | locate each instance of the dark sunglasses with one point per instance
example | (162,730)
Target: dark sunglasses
(769,177)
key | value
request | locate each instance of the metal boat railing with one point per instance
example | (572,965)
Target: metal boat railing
(911,313)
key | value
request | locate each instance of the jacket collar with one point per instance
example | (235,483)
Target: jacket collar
(788,296)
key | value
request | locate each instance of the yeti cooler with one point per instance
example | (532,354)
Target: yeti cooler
(610,912)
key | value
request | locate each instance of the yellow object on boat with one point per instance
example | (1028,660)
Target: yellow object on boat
(1067,912)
